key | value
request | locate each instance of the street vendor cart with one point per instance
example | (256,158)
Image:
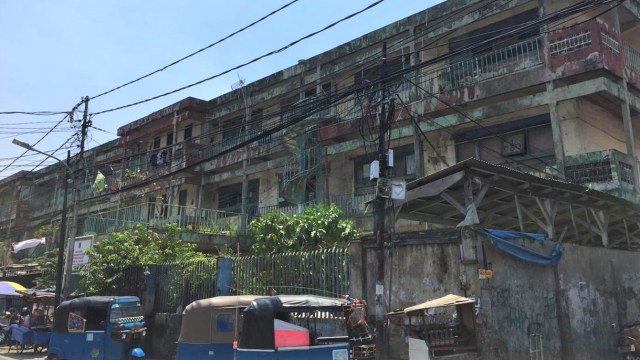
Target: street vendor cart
(441,328)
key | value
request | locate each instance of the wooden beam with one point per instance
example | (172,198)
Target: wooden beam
(602,220)
(519,212)
(477,199)
(453,202)
(573,221)
(535,219)
(626,231)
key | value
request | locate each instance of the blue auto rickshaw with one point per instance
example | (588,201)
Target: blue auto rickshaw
(98,327)
(209,327)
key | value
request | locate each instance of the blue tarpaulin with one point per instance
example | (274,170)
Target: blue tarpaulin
(501,239)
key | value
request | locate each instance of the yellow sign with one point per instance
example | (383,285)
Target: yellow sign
(485,274)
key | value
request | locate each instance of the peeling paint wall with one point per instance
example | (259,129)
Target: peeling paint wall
(591,289)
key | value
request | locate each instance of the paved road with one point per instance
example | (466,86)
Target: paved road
(26,355)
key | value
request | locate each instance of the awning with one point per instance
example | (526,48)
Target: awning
(447,300)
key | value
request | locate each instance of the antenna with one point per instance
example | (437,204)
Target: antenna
(238,84)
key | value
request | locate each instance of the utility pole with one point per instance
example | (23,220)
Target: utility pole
(380,200)
(76,192)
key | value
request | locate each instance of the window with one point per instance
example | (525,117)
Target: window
(230,197)
(156,142)
(372,74)
(488,32)
(188,132)
(224,323)
(170,138)
(513,142)
(232,128)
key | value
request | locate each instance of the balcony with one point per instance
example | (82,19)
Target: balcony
(632,65)
(350,204)
(211,225)
(609,171)
(504,61)
(582,48)
(185,154)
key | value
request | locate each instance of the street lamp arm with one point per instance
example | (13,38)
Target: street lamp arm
(25,145)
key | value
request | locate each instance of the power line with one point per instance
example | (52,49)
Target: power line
(345,94)
(37,113)
(37,142)
(246,63)
(200,50)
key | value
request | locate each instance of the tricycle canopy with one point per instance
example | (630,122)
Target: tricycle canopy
(197,319)
(447,300)
(262,314)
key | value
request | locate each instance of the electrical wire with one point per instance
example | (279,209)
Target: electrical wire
(200,50)
(285,124)
(36,113)
(37,142)
(293,43)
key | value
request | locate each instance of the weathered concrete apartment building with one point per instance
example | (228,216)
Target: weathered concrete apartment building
(544,95)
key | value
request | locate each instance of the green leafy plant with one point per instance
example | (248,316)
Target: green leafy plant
(109,258)
(317,227)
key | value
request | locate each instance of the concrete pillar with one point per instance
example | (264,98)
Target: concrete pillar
(469,262)
(357,272)
(415,103)
(556,128)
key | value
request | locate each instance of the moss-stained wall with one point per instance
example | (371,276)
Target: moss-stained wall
(571,308)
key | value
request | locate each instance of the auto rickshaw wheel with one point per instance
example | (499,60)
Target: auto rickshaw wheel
(53,357)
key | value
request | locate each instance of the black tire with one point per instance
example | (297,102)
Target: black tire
(53,357)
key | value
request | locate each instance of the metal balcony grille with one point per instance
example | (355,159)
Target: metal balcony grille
(570,43)
(590,172)
(632,59)
(503,61)
(626,172)
(610,43)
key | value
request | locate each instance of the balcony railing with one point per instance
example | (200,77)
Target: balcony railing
(352,204)
(632,59)
(287,209)
(608,171)
(205,221)
(519,56)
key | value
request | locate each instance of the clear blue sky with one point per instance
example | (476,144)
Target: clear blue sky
(54,52)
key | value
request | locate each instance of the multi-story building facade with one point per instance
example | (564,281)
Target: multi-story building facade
(547,88)
(557,99)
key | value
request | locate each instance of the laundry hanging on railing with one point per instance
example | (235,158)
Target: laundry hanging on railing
(500,238)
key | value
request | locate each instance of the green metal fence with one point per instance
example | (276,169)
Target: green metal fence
(320,272)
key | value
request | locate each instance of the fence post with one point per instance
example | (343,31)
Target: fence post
(223,276)
(149,292)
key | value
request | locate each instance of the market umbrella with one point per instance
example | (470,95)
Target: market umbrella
(10,287)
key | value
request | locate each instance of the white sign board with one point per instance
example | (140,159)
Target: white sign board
(80,257)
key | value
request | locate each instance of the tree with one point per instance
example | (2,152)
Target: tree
(315,228)
(109,259)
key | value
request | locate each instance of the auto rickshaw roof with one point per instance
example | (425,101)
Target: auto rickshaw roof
(61,314)
(258,320)
(447,300)
(197,317)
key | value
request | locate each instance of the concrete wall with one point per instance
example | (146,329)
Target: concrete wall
(570,307)
(582,119)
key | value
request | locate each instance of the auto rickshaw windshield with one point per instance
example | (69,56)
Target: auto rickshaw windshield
(128,311)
